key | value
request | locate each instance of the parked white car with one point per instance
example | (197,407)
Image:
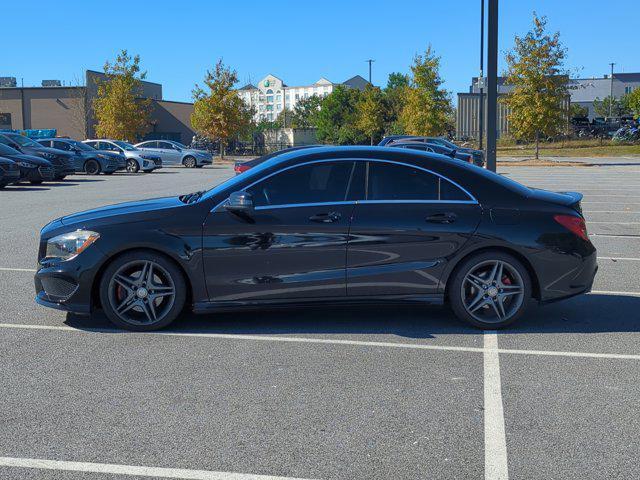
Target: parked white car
(136,159)
(175,153)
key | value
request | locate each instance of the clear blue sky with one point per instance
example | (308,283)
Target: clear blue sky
(298,41)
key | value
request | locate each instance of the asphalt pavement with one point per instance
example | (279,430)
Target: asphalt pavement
(331,393)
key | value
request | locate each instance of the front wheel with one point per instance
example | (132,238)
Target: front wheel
(190,162)
(490,290)
(132,166)
(92,167)
(142,291)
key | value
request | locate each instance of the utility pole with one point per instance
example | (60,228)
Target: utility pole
(481,79)
(611,91)
(370,61)
(492,85)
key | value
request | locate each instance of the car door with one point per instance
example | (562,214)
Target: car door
(409,224)
(169,154)
(293,247)
(78,160)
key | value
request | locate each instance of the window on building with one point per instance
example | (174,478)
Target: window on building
(628,90)
(269,98)
(278,98)
(269,108)
(297,97)
(269,92)
(306,95)
(270,117)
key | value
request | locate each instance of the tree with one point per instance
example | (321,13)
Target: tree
(336,117)
(577,110)
(370,112)
(618,107)
(632,100)
(218,112)
(305,113)
(535,70)
(119,110)
(395,93)
(427,106)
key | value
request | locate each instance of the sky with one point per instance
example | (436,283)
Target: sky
(299,41)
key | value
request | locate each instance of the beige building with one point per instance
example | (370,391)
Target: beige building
(272,95)
(68,110)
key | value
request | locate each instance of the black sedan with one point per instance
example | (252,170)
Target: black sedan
(345,225)
(88,159)
(32,168)
(62,161)
(434,148)
(9,172)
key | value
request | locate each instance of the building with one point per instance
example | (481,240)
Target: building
(272,95)
(582,91)
(67,109)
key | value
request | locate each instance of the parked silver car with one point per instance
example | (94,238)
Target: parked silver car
(174,153)
(136,159)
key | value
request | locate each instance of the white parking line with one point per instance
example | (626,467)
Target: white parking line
(613,223)
(495,442)
(607,235)
(330,341)
(620,259)
(6,269)
(115,469)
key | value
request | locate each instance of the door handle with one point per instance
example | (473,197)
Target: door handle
(325,217)
(446,217)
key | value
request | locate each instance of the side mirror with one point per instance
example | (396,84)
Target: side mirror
(241,204)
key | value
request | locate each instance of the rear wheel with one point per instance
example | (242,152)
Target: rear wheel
(190,162)
(92,167)
(490,290)
(132,166)
(60,177)
(142,291)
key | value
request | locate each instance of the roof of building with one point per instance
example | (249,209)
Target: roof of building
(248,86)
(356,82)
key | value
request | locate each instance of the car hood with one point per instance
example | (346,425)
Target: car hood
(125,212)
(39,161)
(52,151)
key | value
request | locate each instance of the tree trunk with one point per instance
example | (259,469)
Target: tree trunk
(221,150)
(371,139)
(537,145)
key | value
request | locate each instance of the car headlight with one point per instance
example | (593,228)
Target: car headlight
(25,164)
(48,155)
(70,245)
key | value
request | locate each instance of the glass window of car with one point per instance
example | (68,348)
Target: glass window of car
(124,145)
(323,182)
(45,143)
(149,145)
(24,141)
(61,145)
(80,146)
(7,150)
(166,145)
(390,181)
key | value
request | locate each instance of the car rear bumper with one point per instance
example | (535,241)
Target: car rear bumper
(579,280)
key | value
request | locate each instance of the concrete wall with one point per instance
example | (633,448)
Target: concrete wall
(41,108)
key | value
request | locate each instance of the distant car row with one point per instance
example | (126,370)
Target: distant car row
(52,159)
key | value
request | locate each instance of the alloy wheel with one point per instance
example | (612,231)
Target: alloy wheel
(132,166)
(190,162)
(492,291)
(141,292)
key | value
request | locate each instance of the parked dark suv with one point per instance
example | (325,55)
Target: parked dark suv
(33,169)
(62,161)
(87,159)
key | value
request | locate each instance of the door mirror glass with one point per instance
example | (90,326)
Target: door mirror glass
(240,203)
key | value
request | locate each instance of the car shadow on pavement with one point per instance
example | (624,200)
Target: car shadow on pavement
(595,313)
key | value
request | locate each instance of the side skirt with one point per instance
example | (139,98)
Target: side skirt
(207,307)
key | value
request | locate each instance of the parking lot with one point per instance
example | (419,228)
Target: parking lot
(333,393)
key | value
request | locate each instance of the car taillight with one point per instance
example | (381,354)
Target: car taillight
(575,225)
(241,168)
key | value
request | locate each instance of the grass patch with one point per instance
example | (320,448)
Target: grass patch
(571,148)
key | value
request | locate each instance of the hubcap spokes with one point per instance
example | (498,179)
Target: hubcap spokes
(492,291)
(142,292)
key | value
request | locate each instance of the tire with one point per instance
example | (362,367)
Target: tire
(107,173)
(35,182)
(126,292)
(92,167)
(59,178)
(132,166)
(189,162)
(493,298)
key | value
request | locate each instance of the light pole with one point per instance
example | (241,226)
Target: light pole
(492,84)
(370,61)
(611,91)
(481,79)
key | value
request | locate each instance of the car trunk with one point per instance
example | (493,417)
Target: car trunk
(568,199)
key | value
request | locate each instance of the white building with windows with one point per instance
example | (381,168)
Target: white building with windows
(272,95)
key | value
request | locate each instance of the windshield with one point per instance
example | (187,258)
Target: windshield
(7,150)
(125,146)
(81,146)
(24,141)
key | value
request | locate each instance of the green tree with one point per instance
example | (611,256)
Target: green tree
(305,113)
(632,101)
(619,107)
(395,93)
(427,106)
(337,115)
(535,70)
(119,111)
(218,112)
(370,112)
(576,110)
